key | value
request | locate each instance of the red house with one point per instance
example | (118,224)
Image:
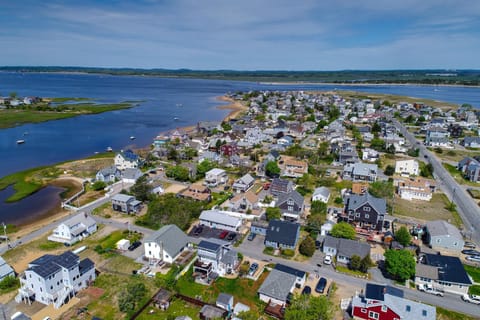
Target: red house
(387,303)
(229,149)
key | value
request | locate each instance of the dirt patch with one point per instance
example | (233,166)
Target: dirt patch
(93,292)
(423,210)
(175,188)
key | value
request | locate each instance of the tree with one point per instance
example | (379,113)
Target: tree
(130,296)
(400,264)
(178,173)
(355,262)
(318,207)
(426,170)
(389,170)
(172,154)
(377,144)
(307,307)
(376,127)
(248,315)
(307,247)
(343,230)
(272,170)
(366,263)
(98,185)
(273,213)
(226,126)
(203,167)
(403,236)
(381,189)
(142,189)
(9,283)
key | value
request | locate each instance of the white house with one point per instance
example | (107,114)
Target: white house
(243,184)
(215,177)
(5,270)
(321,194)
(215,257)
(219,220)
(74,229)
(407,167)
(53,279)
(127,159)
(415,189)
(165,244)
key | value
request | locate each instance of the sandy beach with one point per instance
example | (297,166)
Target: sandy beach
(236,107)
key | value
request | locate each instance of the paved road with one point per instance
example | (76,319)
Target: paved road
(467,208)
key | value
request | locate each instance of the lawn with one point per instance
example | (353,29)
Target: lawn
(444,314)
(457,175)
(473,272)
(177,308)
(475,289)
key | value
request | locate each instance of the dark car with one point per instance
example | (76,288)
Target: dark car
(322,283)
(386,224)
(307,290)
(471,252)
(231,236)
(317,244)
(134,245)
(251,236)
(197,230)
(223,234)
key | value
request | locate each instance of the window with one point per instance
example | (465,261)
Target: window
(366,209)
(408,308)
(424,313)
(373,315)
(384,308)
(367,216)
(290,208)
(363,310)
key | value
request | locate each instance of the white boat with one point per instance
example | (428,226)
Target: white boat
(176,118)
(179,105)
(20,141)
(109,149)
(132,138)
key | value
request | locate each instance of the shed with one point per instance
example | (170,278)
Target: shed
(225,301)
(162,299)
(123,244)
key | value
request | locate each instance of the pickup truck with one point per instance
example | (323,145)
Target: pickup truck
(471,298)
(430,289)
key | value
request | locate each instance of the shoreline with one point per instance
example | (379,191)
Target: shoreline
(367,84)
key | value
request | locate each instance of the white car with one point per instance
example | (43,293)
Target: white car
(471,298)
(327,259)
(429,289)
(473,258)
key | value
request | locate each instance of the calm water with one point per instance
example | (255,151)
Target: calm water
(56,141)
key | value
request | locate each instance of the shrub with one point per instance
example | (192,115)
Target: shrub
(288,252)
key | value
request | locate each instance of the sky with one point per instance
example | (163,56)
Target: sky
(242,34)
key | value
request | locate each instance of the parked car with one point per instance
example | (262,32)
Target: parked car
(470,245)
(471,252)
(473,258)
(327,259)
(307,290)
(197,230)
(317,244)
(253,269)
(134,245)
(429,289)
(322,283)
(231,236)
(223,234)
(251,236)
(471,298)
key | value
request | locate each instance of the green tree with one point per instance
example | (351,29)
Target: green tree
(271,169)
(203,167)
(172,154)
(381,189)
(323,149)
(426,170)
(131,296)
(376,128)
(315,221)
(366,263)
(98,185)
(377,144)
(403,236)
(355,262)
(9,283)
(307,246)
(343,230)
(307,307)
(400,264)
(273,213)
(179,173)
(142,189)
(248,315)
(389,170)
(226,126)
(190,153)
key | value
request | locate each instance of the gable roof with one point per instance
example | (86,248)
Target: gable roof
(277,285)
(323,191)
(129,155)
(356,201)
(246,179)
(5,268)
(347,247)
(294,195)
(281,185)
(224,298)
(209,246)
(450,269)
(49,264)
(290,270)
(82,218)
(282,232)
(378,292)
(171,238)
(217,216)
(122,197)
(439,228)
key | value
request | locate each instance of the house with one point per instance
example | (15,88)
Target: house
(295,168)
(285,141)
(197,191)
(126,204)
(444,273)
(381,302)
(216,177)
(52,279)
(219,220)
(5,270)
(74,229)
(131,175)
(109,174)
(291,204)
(415,188)
(281,281)
(470,168)
(441,235)
(245,202)
(471,142)
(321,194)
(259,227)
(209,312)
(370,155)
(366,210)
(243,184)
(344,249)
(207,127)
(348,156)
(224,301)
(280,186)
(127,159)
(282,234)
(360,172)
(215,258)
(437,137)
(165,244)
(407,167)
(229,149)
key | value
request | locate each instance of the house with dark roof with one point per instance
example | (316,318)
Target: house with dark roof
(282,234)
(381,302)
(109,174)
(365,210)
(471,142)
(291,205)
(360,172)
(165,244)
(125,203)
(127,159)
(52,279)
(344,249)
(281,281)
(215,258)
(444,273)
(280,186)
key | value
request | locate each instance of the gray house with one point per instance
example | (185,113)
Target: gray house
(5,270)
(366,210)
(360,172)
(291,204)
(109,174)
(281,281)
(125,203)
(344,249)
(280,186)
(282,234)
(165,244)
(243,184)
(259,227)
(225,301)
(442,235)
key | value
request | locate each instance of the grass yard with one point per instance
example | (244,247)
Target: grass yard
(177,308)
(444,314)
(426,210)
(457,175)
(475,289)
(473,272)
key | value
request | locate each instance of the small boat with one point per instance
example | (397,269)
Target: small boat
(176,118)
(20,141)
(109,149)
(179,105)
(132,138)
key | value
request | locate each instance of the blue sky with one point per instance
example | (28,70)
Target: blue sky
(242,34)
